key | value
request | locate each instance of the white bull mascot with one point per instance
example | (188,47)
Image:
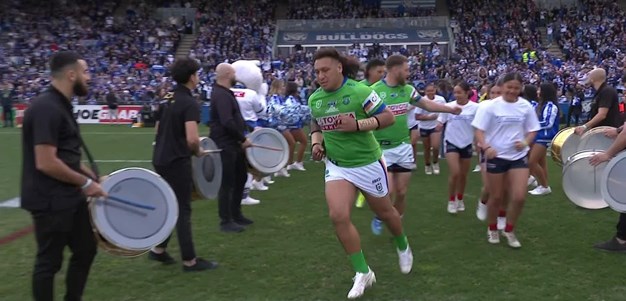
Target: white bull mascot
(251,93)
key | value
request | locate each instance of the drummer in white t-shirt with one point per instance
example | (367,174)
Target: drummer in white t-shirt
(504,129)
(431,138)
(459,137)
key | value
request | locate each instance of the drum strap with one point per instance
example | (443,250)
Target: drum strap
(92,162)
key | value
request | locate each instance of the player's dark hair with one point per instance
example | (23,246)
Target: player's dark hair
(512,76)
(61,60)
(371,65)
(548,93)
(183,68)
(395,60)
(350,66)
(466,87)
(530,92)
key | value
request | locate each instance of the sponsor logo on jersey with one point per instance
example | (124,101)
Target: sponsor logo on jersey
(327,123)
(399,109)
(371,102)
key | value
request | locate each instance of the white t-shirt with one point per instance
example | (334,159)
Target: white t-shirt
(429,124)
(251,104)
(459,130)
(504,123)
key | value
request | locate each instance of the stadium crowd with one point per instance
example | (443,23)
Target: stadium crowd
(128,52)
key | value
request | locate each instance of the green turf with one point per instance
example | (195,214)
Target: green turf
(291,253)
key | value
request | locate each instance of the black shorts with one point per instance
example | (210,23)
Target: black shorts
(397,168)
(464,153)
(497,165)
(425,133)
(414,128)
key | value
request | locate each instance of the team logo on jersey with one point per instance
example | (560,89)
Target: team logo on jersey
(318,104)
(399,109)
(379,187)
(394,95)
(239,94)
(327,123)
(346,100)
(332,107)
(383,95)
(402,94)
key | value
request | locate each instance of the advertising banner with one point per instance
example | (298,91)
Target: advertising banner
(96,114)
(328,37)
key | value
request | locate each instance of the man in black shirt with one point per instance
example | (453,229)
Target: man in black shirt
(55,183)
(112,104)
(176,141)
(605,112)
(227,130)
(605,104)
(6,101)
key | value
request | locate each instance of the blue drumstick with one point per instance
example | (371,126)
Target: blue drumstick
(134,204)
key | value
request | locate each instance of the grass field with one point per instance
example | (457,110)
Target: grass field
(291,253)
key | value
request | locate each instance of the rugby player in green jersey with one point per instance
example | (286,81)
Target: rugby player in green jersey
(344,114)
(374,71)
(399,97)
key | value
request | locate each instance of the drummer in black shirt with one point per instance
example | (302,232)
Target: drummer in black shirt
(176,141)
(227,130)
(605,112)
(55,183)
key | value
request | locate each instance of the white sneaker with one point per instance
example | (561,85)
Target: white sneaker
(477,168)
(532,181)
(405,258)
(493,237)
(512,239)
(428,170)
(501,223)
(481,211)
(298,166)
(452,207)
(436,168)
(250,201)
(282,173)
(258,185)
(361,282)
(268,180)
(460,205)
(540,190)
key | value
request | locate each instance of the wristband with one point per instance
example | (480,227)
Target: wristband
(584,126)
(316,143)
(313,132)
(377,122)
(87,184)
(358,129)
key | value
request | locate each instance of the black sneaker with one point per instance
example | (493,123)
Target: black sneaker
(232,227)
(612,245)
(164,257)
(201,265)
(244,221)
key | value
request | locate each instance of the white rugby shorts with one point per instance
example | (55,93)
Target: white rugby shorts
(371,178)
(401,155)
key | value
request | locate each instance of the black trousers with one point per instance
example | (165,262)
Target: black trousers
(576,113)
(53,231)
(621,227)
(234,176)
(7,113)
(179,177)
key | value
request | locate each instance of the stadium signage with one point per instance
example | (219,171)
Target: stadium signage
(329,37)
(95,114)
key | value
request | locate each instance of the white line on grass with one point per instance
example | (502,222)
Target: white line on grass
(12,203)
(92,133)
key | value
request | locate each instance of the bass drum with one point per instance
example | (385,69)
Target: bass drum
(582,182)
(564,144)
(595,140)
(207,171)
(269,152)
(613,183)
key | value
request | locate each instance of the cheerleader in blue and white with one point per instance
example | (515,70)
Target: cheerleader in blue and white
(548,113)
(275,105)
(295,126)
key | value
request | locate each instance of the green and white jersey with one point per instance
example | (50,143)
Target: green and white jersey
(399,100)
(347,149)
(365,82)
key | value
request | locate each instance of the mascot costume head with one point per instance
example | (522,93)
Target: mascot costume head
(250,96)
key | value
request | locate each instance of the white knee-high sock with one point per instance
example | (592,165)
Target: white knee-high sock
(246,187)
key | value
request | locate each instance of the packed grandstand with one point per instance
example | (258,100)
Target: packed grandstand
(130,43)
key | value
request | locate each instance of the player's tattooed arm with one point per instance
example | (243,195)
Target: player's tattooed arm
(379,121)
